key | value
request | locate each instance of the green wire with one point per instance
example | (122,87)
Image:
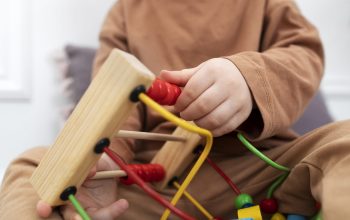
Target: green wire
(261,155)
(276,184)
(318,216)
(78,207)
(279,180)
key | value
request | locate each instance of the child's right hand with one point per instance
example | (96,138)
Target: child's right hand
(98,198)
(215,95)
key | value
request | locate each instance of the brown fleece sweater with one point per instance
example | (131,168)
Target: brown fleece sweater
(276,49)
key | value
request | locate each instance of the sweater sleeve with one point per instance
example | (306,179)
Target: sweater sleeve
(113,35)
(286,72)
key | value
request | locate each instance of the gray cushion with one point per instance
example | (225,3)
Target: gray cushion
(80,60)
(80,67)
(315,115)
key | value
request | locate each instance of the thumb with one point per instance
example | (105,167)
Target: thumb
(179,77)
(43,209)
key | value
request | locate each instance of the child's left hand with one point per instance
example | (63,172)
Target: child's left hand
(98,197)
(215,95)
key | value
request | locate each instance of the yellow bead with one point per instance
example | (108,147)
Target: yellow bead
(278,216)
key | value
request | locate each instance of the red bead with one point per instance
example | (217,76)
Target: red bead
(163,92)
(318,206)
(269,206)
(147,172)
(217,218)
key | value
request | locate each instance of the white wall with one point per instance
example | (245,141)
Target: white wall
(333,21)
(52,24)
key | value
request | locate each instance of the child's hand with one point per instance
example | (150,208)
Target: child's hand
(98,197)
(215,95)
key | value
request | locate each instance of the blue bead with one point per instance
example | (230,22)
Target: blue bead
(296,217)
(247,205)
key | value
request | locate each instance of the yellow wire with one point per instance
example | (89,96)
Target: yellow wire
(190,127)
(195,202)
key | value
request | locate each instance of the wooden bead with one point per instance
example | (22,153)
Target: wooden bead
(163,92)
(278,216)
(269,206)
(247,205)
(250,213)
(147,172)
(296,217)
(243,199)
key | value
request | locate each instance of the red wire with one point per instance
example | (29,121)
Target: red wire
(226,178)
(144,186)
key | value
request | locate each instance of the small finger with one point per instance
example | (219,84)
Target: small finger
(68,212)
(178,77)
(204,104)
(112,211)
(229,126)
(219,116)
(196,86)
(92,173)
(43,209)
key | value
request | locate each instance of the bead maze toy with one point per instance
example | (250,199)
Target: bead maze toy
(121,82)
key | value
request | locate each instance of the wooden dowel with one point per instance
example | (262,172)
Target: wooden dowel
(149,136)
(109,174)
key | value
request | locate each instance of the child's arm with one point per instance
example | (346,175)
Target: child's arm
(281,78)
(285,75)
(112,35)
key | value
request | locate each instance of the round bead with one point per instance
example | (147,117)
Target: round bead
(296,217)
(318,206)
(243,199)
(247,205)
(269,206)
(278,216)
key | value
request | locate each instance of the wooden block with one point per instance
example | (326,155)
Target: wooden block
(176,156)
(100,113)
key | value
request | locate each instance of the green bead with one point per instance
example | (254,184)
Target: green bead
(318,216)
(243,199)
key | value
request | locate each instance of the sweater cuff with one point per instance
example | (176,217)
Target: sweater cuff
(258,126)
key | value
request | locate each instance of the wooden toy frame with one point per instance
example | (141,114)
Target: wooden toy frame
(100,114)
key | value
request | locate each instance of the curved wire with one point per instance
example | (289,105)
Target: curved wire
(263,157)
(279,180)
(195,202)
(190,127)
